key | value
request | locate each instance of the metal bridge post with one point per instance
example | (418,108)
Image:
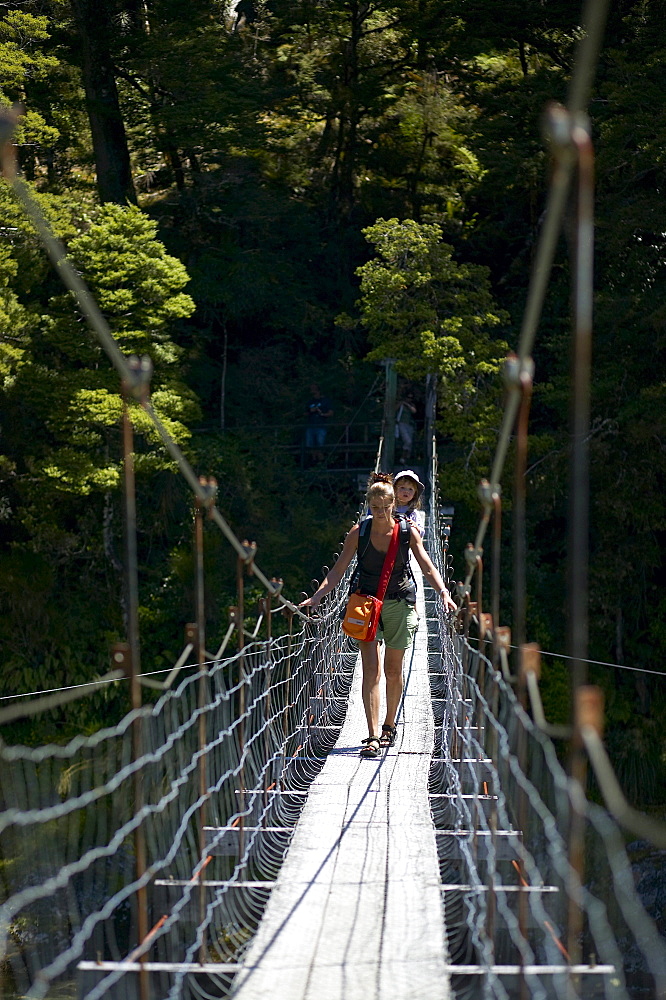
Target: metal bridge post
(525,376)
(388,456)
(429,431)
(242,702)
(580,409)
(479,714)
(135,387)
(287,699)
(579,505)
(530,660)
(495,571)
(200,617)
(239,611)
(266,610)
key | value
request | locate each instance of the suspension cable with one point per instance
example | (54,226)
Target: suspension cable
(584,66)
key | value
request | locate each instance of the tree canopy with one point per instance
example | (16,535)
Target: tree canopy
(318,185)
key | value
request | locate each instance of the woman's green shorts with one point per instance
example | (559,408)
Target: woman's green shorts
(398,624)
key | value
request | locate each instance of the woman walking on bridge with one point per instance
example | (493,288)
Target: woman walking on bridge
(399,619)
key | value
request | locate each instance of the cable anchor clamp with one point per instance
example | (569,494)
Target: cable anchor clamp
(250,551)
(518,372)
(472,554)
(208,487)
(136,383)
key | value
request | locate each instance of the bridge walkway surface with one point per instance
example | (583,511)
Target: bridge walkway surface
(356,913)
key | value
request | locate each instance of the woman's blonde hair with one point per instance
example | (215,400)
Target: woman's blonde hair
(380,477)
(380,484)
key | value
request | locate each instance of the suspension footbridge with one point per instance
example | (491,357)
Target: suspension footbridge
(224,839)
(227,840)
(357,907)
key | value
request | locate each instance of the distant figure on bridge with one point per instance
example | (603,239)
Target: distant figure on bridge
(408,492)
(405,425)
(318,412)
(399,618)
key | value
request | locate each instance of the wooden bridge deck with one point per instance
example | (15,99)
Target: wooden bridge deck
(356,913)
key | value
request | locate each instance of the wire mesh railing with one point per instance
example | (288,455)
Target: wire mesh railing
(514,833)
(206,785)
(139,858)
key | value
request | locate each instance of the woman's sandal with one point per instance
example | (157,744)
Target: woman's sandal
(371,748)
(388,737)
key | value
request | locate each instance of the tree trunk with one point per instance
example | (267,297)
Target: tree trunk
(349,113)
(223,387)
(114,176)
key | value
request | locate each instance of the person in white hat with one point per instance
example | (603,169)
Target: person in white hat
(408,492)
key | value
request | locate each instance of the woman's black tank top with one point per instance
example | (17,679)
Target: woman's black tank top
(371,563)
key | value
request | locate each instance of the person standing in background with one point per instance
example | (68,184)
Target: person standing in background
(405,425)
(318,412)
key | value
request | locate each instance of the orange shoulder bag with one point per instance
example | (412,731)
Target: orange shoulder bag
(363,610)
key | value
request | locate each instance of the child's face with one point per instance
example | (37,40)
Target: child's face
(404,492)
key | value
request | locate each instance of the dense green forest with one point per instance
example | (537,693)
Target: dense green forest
(264,195)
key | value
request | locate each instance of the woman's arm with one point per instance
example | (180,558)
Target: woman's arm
(429,571)
(334,575)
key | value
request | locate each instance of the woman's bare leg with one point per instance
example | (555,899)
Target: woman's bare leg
(370,688)
(393,669)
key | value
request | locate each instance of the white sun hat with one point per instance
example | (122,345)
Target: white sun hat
(410,474)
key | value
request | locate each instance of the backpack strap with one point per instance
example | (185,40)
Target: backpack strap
(363,535)
(389,560)
(405,539)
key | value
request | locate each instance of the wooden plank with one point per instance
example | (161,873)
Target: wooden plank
(215,883)
(357,908)
(531,970)
(211,969)
(462,887)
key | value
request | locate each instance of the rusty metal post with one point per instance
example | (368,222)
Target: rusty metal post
(265,606)
(579,504)
(525,376)
(132,610)
(580,409)
(285,714)
(388,450)
(200,616)
(530,662)
(269,678)
(479,715)
(495,573)
(479,594)
(241,564)
(242,700)
(522,662)
(588,711)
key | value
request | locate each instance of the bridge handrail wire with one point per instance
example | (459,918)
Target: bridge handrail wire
(484,723)
(68,812)
(594,19)
(632,820)
(256,741)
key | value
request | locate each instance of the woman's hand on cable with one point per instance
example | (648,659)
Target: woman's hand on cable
(449,603)
(311,602)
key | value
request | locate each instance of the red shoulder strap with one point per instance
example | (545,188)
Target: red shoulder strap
(387,568)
